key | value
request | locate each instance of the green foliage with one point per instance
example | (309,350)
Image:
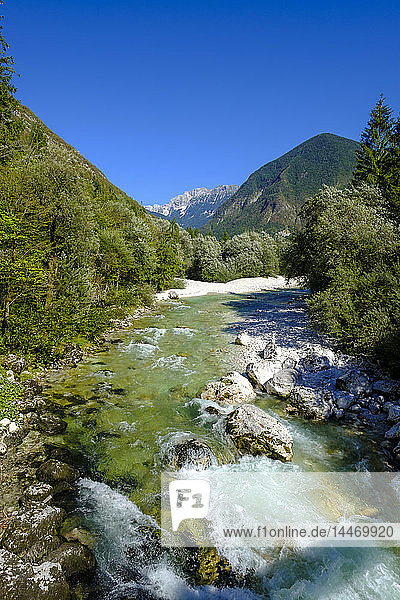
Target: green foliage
(10,397)
(246,255)
(10,127)
(348,254)
(379,157)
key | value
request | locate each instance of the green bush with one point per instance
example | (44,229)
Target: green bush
(10,398)
(348,254)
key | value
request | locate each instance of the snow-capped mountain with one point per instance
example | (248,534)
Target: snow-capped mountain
(195,207)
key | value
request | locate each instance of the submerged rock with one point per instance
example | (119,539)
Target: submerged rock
(255,432)
(192,454)
(51,424)
(231,389)
(282,383)
(311,404)
(73,558)
(53,471)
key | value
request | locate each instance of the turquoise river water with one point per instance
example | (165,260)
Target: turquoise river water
(126,407)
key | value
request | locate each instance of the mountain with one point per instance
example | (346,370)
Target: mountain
(195,207)
(55,144)
(271,197)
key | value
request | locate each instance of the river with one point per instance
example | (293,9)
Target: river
(126,407)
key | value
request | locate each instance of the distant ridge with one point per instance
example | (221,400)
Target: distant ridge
(195,207)
(272,195)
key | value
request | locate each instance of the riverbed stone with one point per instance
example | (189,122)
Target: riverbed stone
(344,400)
(355,382)
(229,390)
(192,454)
(51,424)
(242,339)
(393,433)
(393,414)
(260,372)
(14,362)
(38,492)
(282,383)
(54,471)
(270,350)
(318,360)
(255,432)
(30,527)
(316,405)
(386,387)
(73,558)
(24,581)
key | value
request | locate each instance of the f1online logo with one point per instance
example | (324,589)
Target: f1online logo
(189,499)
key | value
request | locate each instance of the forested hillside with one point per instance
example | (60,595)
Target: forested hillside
(74,249)
(271,197)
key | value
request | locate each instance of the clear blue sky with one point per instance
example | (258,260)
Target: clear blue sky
(165,96)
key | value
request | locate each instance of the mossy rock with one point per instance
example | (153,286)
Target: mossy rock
(255,432)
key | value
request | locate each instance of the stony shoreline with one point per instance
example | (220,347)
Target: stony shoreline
(284,357)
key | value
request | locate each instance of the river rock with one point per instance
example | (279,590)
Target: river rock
(38,492)
(77,534)
(393,414)
(72,355)
(355,382)
(243,340)
(51,424)
(318,360)
(73,558)
(255,432)
(311,404)
(282,383)
(23,581)
(386,387)
(260,372)
(270,349)
(393,433)
(30,527)
(192,454)
(344,400)
(231,389)
(31,388)
(53,471)
(173,295)
(15,363)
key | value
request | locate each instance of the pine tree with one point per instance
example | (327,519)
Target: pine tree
(394,191)
(374,159)
(225,236)
(10,126)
